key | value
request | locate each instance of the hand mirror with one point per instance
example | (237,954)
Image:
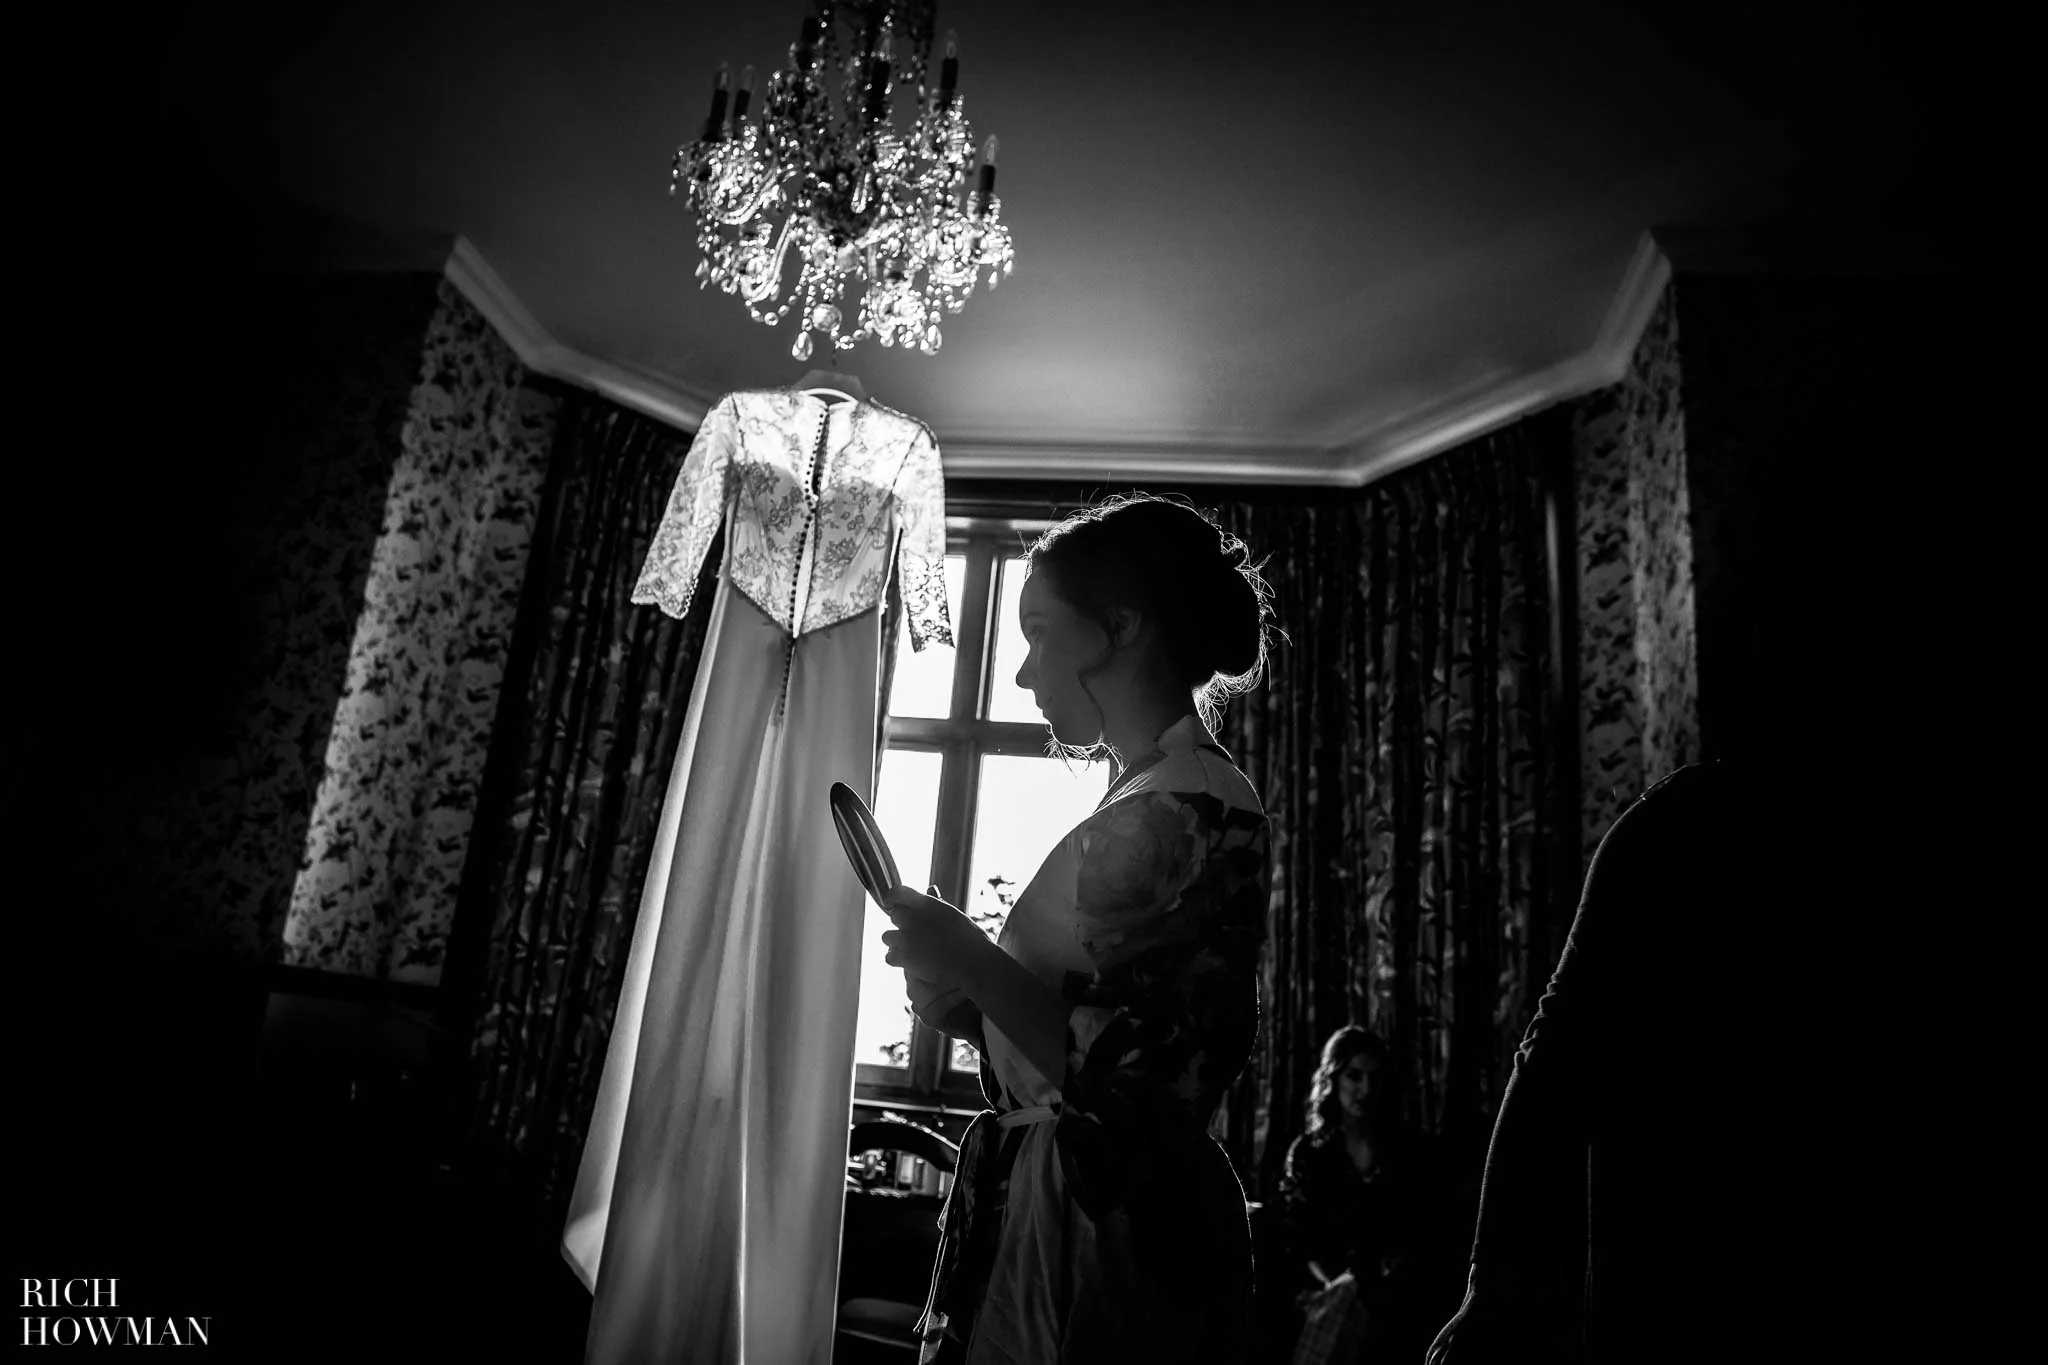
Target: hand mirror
(865,847)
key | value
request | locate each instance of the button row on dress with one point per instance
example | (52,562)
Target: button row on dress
(796,577)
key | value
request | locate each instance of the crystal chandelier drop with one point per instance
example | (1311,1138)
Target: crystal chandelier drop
(841,191)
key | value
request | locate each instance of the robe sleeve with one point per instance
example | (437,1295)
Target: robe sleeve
(1170,897)
(965,1023)
(696,511)
(921,550)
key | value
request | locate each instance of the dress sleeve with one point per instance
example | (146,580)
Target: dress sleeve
(696,509)
(921,551)
(1170,902)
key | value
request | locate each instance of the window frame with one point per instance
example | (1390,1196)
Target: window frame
(962,739)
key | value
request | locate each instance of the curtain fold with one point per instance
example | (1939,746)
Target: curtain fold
(1406,746)
(586,734)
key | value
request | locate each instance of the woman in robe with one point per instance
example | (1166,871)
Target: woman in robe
(1094,1218)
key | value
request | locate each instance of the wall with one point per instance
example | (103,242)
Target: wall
(299,548)
(1815,407)
(1758,534)
(202,490)
(237,661)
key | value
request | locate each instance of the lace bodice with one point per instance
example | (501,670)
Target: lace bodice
(818,497)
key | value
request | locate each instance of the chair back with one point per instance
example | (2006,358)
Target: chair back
(899,1135)
(890,1240)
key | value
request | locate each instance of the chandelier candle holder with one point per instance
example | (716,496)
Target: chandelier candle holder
(832,194)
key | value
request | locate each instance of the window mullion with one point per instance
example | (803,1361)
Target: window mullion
(976,636)
(959,778)
(960,782)
(952,847)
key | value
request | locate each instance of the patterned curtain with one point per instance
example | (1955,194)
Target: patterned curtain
(390,825)
(592,715)
(1407,747)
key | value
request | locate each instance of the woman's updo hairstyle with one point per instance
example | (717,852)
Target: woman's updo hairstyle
(1179,569)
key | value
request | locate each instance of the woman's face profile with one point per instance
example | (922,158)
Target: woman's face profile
(1060,643)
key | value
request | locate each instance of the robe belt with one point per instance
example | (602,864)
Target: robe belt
(974,1169)
(975,1180)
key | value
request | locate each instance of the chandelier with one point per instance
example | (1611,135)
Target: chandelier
(839,196)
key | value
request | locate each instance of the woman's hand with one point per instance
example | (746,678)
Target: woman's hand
(1325,1284)
(1487,1327)
(932,941)
(933,1001)
(929,1000)
(947,1009)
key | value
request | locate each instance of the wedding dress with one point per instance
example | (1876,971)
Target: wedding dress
(707,1207)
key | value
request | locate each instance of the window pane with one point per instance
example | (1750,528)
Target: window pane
(906,803)
(1007,701)
(1027,805)
(923,684)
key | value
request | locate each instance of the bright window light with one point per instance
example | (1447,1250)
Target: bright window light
(923,685)
(1027,806)
(1007,701)
(906,804)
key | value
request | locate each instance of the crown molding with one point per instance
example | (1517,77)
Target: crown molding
(632,387)
(1120,461)
(540,352)
(1635,302)
(487,291)
(1485,406)
(1500,400)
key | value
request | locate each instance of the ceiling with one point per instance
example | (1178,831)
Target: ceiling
(1286,241)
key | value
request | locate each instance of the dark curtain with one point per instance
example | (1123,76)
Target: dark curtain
(592,715)
(1407,744)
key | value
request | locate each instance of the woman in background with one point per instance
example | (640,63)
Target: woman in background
(1359,1199)
(1094,1218)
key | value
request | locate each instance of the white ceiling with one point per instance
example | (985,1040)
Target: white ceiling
(1287,241)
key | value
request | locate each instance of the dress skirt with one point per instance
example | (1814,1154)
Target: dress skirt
(706,1214)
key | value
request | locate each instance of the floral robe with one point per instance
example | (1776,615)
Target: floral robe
(1093,1217)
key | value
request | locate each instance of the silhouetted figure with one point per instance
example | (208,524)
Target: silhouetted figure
(1643,1195)
(1093,1218)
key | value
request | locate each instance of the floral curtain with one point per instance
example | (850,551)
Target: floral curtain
(1408,746)
(596,695)
(390,825)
